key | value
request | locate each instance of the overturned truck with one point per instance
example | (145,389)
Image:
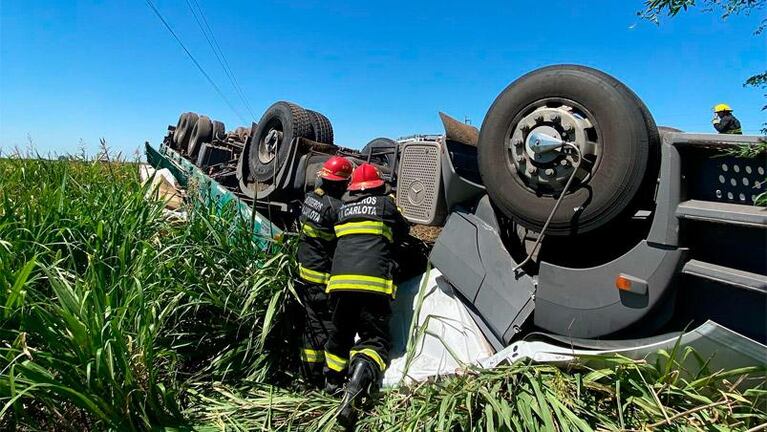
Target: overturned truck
(569,213)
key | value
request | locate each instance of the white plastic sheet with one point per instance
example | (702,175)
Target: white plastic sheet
(165,187)
(445,337)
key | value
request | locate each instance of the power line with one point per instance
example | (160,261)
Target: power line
(219,53)
(194,60)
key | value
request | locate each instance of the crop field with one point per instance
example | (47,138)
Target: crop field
(114,316)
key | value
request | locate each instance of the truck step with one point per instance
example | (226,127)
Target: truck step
(730,276)
(734,214)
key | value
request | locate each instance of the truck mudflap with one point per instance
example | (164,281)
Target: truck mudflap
(472,258)
(586,303)
(720,346)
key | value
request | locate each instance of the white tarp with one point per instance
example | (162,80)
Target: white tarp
(722,348)
(164,186)
(444,338)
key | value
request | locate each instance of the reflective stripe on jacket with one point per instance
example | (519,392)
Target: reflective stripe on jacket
(313,276)
(367,228)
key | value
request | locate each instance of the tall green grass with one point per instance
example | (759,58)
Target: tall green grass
(116,317)
(107,307)
(623,395)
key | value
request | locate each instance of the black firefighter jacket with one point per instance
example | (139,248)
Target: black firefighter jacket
(318,240)
(368,227)
(728,125)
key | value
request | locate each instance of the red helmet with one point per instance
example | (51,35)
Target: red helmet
(365,176)
(336,168)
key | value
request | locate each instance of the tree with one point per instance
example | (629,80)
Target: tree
(654,9)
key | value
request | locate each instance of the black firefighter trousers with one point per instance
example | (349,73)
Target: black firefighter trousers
(316,326)
(363,314)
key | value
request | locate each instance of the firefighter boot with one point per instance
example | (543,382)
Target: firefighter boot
(362,377)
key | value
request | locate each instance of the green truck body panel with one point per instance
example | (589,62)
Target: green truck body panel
(210,192)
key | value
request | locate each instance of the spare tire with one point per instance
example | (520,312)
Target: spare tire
(604,119)
(202,133)
(184,129)
(383,152)
(323,129)
(270,144)
(219,131)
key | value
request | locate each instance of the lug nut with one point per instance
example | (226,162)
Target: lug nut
(549,172)
(525,127)
(517,142)
(568,127)
(555,117)
(532,170)
(539,117)
(519,158)
(564,162)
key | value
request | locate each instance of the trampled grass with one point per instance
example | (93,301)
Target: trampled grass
(113,317)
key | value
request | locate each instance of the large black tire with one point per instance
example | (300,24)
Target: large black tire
(174,140)
(202,133)
(616,187)
(646,197)
(219,131)
(378,146)
(289,119)
(184,129)
(323,129)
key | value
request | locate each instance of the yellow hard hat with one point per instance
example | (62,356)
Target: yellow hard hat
(722,107)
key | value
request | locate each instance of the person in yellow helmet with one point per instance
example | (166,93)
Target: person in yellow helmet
(724,122)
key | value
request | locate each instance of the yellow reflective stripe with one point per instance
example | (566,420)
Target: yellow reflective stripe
(361,283)
(309,355)
(312,275)
(737,131)
(335,362)
(366,227)
(371,354)
(317,233)
(354,277)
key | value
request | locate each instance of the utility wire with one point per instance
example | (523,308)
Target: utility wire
(216,48)
(194,60)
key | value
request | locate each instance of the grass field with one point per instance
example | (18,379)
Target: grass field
(114,317)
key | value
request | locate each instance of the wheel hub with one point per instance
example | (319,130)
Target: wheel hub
(538,151)
(267,147)
(541,144)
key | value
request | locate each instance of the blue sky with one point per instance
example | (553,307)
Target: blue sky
(74,71)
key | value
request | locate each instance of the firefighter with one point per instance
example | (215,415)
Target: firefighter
(316,246)
(362,287)
(724,121)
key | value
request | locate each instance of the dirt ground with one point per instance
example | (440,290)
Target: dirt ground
(425,233)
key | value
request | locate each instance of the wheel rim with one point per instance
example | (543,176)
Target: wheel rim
(535,150)
(269,144)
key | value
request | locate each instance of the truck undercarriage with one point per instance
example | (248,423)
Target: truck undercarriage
(568,213)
